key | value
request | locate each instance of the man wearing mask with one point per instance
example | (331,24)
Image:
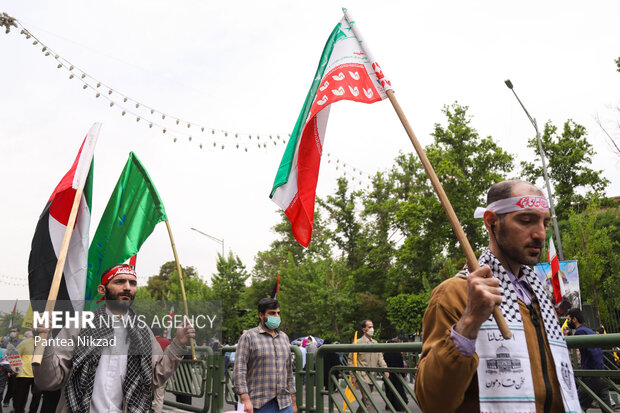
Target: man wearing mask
(263,373)
(11,340)
(367,360)
(466,364)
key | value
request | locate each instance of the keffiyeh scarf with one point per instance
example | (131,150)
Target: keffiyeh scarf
(139,379)
(504,374)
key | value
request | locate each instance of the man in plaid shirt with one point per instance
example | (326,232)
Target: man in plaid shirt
(263,372)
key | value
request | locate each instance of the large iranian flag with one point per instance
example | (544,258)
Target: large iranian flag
(51,229)
(346,72)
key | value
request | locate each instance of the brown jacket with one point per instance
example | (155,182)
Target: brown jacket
(54,370)
(447,380)
(367,359)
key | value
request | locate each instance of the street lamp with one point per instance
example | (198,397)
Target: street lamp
(221,241)
(544,164)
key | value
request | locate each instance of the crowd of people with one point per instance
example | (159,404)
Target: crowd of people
(467,363)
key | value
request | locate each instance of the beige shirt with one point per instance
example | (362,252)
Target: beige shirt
(367,359)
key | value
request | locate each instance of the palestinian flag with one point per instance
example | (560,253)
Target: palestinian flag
(51,228)
(346,72)
(129,218)
(12,317)
(556,282)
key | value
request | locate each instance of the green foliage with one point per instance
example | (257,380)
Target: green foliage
(5,319)
(569,156)
(228,286)
(166,286)
(589,239)
(405,311)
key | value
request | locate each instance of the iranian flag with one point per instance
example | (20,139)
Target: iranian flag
(51,229)
(129,218)
(346,72)
(554,262)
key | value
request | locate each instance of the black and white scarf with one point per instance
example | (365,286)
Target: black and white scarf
(504,374)
(139,379)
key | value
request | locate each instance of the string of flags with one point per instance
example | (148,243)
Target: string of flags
(175,127)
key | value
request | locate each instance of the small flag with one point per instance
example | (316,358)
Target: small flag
(12,315)
(169,329)
(51,228)
(129,218)
(345,72)
(276,288)
(556,282)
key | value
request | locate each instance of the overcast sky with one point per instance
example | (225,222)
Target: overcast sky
(245,67)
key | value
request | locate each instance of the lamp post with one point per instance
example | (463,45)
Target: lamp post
(544,164)
(221,241)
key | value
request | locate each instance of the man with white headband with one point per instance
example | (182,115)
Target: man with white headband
(118,376)
(466,364)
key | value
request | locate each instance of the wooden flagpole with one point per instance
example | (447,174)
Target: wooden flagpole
(37,357)
(176,259)
(472,261)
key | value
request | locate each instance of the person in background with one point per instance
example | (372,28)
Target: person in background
(395,359)
(12,339)
(159,392)
(591,359)
(367,360)
(24,381)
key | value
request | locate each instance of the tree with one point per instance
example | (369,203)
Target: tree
(591,242)
(228,286)
(341,213)
(569,156)
(466,165)
(166,286)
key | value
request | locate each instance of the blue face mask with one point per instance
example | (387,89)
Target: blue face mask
(272,322)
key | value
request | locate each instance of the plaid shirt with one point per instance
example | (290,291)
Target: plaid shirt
(263,368)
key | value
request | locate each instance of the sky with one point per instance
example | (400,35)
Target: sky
(244,67)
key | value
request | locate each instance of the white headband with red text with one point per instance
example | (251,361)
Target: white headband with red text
(517,203)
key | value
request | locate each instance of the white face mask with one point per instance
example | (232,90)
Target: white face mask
(370,332)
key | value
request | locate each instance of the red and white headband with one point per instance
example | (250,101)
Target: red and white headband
(117,270)
(517,203)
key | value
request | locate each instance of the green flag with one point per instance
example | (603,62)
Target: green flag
(129,218)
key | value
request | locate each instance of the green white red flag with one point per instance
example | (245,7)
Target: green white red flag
(554,262)
(129,218)
(347,71)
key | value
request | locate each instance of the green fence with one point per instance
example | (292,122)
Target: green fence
(210,380)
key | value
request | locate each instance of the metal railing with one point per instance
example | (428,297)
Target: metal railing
(210,378)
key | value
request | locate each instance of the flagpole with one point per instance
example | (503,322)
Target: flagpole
(176,259)
(37,357)
(472,261)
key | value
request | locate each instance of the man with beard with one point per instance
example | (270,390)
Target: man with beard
(116,377)
(466,364)
(263,373)
(591,359)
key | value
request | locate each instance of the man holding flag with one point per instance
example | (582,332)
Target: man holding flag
(466,364)
(112,378)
